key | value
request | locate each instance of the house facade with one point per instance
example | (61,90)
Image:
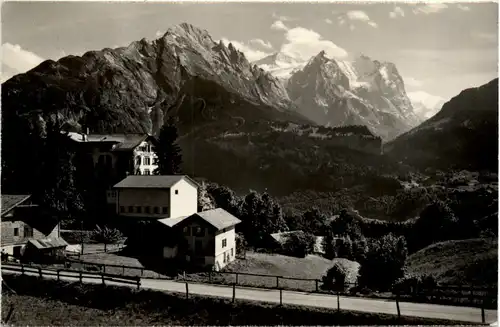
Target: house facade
(206,238)
(115,156)
(156,197)
(21,226)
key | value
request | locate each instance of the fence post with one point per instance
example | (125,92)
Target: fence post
(281,296)
(483,318)
(237,278)
(187,291)
(277,281)
(317,288)
(142,272)
(40,272)
(471,295)
(81,276)
(138,282)
(397,305)
(103,282)
(22,269)
(338,301)
(58,272)
(123,270)
(210,276)
(234,291)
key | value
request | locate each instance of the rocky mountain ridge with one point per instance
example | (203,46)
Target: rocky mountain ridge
(359,92)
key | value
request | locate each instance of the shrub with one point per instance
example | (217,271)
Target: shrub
(410,283)
(384,262)
(299,244)
(106,235)
(335,278)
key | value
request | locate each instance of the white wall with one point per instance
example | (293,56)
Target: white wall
(147,197)
(230,236)
(185,202)
(142,154)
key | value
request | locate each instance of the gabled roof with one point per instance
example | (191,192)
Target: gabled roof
(10,201)
(281,236)
(218,218)
(48,243)
(153,181)
(122,142)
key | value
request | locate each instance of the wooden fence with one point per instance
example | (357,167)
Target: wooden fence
(68,273)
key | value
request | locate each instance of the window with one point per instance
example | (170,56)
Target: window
(122,209)
(138,209)
(130,209)
(147,172)
(224,243)
(28,231)
(147,209)
(199,231)
(156,210)
(164,210)
(186,231)
(232,253)
(16,231)
(176,191)
(147,161)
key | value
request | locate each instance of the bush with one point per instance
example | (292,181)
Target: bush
(335,278)
(410,283)
(299,244)
(106,235)
(384,262)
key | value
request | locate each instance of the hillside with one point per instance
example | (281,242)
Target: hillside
(236,122)
(466,262)
(462,135)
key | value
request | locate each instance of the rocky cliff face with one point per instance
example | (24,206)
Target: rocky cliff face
(342,92)
(362,92)
(139,83)
(462,135)
(227,111)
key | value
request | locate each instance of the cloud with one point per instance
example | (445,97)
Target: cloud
(159,33)
(279,26)
(397,12)
(302,43)
(355,16)
(488,37)
(282,18)
(463,7)
(16,60)
(328,21)
(432,8)
(411,81)
(261,43)
(251,53)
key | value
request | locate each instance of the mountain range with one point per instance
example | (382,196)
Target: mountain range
(239,125)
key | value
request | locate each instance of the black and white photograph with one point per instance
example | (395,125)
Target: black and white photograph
(198,163)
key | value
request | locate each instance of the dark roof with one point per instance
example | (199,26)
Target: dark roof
(153,181)
(10,201)
(219,218)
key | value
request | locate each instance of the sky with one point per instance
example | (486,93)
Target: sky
(439,49)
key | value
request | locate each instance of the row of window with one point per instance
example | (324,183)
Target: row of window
(140,209)
(146,148)
(28,231)
(146,161)
(194,231)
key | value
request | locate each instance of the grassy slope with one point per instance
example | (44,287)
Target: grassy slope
(458,262)
(44,303)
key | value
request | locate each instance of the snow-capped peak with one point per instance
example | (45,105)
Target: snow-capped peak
(425,105)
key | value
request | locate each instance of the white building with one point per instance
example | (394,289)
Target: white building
(203,238)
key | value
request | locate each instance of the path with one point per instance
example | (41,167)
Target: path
(457,313)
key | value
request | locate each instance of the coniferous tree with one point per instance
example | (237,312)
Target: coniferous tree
(168,151)
(58,196)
